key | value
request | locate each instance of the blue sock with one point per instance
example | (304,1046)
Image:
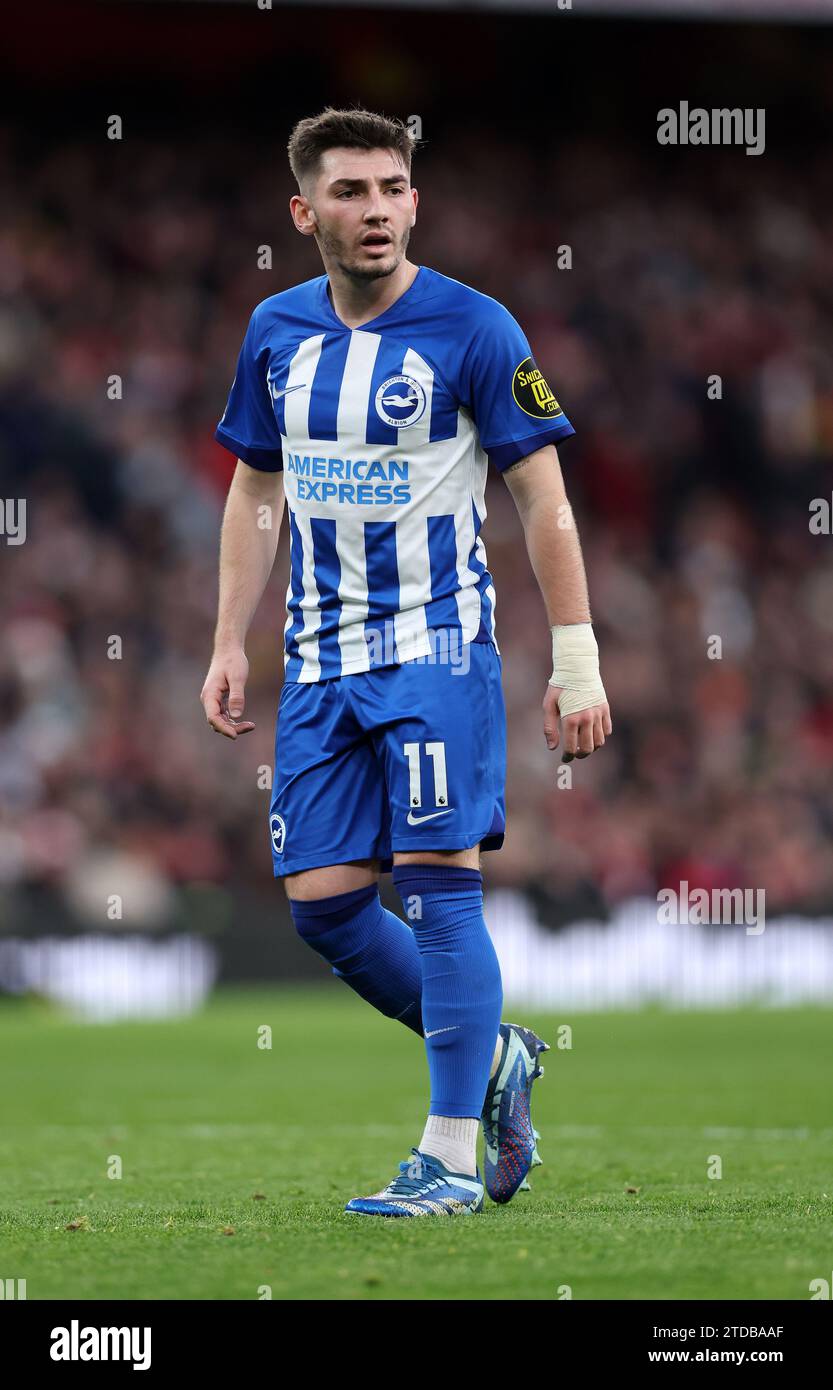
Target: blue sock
(462,993)
(371,949)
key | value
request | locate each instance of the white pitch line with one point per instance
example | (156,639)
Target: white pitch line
(278,1130)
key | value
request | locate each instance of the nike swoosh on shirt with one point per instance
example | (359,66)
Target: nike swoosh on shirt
(435,1031)
(417,820)
(276,395)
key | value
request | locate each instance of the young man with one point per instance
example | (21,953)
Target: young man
(370,401)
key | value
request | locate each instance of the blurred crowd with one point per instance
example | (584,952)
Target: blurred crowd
(680,307)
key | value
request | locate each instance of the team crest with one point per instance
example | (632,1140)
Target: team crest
(277,830)
(400,401)
(532,394)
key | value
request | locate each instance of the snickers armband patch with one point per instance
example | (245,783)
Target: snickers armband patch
(531,392)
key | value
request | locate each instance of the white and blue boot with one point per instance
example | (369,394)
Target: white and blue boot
(423,1187)
(507,1123)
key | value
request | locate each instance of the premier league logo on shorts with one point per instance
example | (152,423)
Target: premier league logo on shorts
(400,401)
(277,829)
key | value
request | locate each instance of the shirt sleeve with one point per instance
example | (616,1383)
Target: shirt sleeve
(248,427)
(512,405)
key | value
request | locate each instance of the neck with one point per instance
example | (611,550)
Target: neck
(358,301)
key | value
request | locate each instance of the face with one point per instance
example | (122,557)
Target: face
(360,209)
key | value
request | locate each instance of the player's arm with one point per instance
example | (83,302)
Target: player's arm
(247,553)
(575,693)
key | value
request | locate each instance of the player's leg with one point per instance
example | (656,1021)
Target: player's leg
(461,995)
(461,1005)
(368,947)
(337,911)
(446,773)
(444,778)
(444,747)
(329,822)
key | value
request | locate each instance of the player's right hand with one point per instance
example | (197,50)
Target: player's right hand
(222,695)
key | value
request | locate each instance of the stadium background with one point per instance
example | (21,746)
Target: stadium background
(139,258)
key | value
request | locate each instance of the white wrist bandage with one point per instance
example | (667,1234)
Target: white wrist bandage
(575,666)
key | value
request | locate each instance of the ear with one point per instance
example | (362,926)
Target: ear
(302,214)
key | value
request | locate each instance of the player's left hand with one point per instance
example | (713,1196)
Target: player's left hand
(583,731)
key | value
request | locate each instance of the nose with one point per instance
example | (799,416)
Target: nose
(376,210)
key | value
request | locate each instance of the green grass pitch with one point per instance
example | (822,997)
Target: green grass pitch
(237,1159)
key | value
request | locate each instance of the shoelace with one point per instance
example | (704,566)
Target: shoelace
(406,1186)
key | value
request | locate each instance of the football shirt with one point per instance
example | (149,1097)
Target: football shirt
(384,434)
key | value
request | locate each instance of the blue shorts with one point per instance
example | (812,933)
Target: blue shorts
(405,757)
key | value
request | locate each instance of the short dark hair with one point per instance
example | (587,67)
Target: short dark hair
(353,129)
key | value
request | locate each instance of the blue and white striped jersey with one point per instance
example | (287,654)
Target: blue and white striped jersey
(384,433)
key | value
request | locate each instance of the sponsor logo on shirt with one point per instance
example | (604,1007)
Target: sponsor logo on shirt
(371,481)
(532,394)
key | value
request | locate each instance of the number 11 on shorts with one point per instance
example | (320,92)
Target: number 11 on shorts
(436,752)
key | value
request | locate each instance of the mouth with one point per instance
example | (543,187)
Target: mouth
(376,241)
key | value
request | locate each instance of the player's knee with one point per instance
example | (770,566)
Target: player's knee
(324,923)
(454,858)
(308,885)
(440,900)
